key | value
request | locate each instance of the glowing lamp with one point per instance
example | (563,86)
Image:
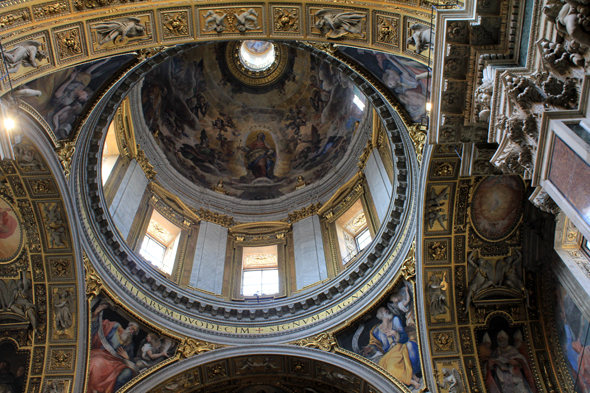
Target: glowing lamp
(9,123)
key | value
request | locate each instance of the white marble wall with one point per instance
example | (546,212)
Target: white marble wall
(209,260)
(310,260)
(379,184)
(126,202)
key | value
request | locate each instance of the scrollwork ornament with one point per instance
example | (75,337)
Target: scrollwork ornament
(145,165)
(418,136)
(50,9)
(216,218)
(94,283)
(65,151)
(323,341)
(408,269)
(8,20)
(308,211)
(191,347)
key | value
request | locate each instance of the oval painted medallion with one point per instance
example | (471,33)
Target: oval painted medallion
(497,206)
(11,235)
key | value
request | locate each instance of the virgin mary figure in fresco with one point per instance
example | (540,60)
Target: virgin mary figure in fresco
(259,156)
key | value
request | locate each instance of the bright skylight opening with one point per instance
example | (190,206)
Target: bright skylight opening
(359,103)
(153,251)
(257,55)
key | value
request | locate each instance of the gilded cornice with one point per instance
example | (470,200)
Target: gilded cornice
(343,198)
(216,218)
(308,211)
(365,156)
(145,165)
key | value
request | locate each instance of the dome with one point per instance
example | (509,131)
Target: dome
(219,124)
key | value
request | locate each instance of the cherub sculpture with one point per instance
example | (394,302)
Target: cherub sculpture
(214,22)
(422,38)
(571,19)
(247,20)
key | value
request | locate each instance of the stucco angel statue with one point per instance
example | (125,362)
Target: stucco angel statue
(118,29)
(25,53)
(571,18)
(337,23)
(452,381)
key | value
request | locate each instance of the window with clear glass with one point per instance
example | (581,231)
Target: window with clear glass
(160,243)
(363,239)
(352,231)
(260,271)
(152,250)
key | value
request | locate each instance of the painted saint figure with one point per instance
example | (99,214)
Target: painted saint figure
(259,156)
(112,348)
(388,344)
(507,370)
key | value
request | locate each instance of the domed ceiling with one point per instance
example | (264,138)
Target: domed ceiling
(255,134)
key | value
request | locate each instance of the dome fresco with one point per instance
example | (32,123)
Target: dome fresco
(220,129)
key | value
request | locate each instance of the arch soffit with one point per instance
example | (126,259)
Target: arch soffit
(359,371)
(67,32)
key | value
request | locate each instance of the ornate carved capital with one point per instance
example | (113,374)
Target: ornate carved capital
(216,218)
(299,215)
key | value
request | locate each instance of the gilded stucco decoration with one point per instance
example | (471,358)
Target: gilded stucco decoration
(38,289)
(175,23)
(125,30)
(69,43)
(129,32)
(280,373)
(286,19)
(482,297)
